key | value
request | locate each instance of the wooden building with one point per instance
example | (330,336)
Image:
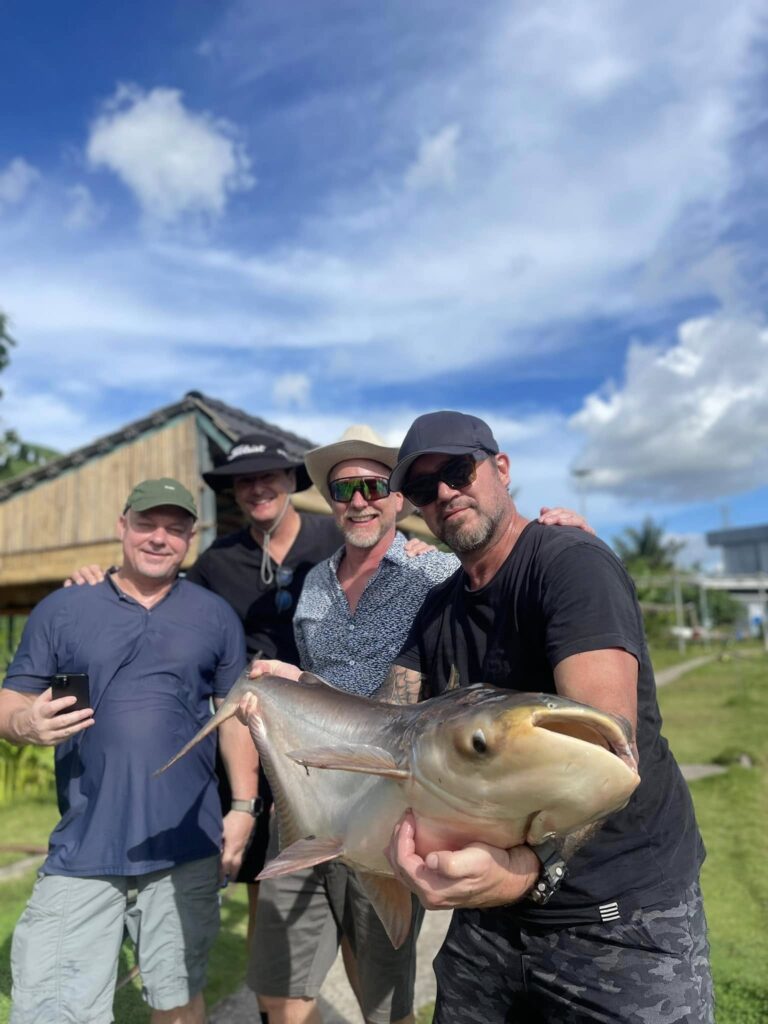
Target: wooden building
(57,517)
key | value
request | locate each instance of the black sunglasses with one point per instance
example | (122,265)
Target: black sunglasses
(372,488)
(457,473)
(283,597)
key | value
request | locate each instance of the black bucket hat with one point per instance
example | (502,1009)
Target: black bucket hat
(257,453)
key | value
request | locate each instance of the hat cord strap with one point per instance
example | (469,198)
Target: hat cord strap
(267,571)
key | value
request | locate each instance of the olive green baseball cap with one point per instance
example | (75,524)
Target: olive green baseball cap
(165,491)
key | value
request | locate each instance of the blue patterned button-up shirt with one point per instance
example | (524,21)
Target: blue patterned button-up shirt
(354,651)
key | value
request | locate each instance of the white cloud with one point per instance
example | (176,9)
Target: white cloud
(689,422)
(84,212)
(292,389)
(435,164)
(174,160)
(16,180)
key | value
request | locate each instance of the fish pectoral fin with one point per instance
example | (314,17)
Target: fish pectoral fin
(392,902)
(304,853)
(348,758)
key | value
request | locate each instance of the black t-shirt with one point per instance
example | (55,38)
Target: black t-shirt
(562,592)
(231,567)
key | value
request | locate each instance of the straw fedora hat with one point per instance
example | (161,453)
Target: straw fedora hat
(357,442)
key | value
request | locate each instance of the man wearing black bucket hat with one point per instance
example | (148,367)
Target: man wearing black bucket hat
(260,570)
(618,932)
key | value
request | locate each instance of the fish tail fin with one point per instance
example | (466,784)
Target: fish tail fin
(227,710)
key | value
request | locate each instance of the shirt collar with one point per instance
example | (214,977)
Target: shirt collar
(394,553)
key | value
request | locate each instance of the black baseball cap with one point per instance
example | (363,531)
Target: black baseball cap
(445,432)
(257,453)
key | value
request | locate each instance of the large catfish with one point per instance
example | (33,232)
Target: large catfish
(475,764)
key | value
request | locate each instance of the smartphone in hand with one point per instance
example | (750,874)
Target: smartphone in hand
(69,684)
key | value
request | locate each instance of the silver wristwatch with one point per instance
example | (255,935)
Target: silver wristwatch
(553,872)
(254,806)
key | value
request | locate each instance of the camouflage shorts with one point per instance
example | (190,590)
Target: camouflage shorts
(651,969)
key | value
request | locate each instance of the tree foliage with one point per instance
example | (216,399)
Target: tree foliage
(646,547)
(649,557)
(16,455)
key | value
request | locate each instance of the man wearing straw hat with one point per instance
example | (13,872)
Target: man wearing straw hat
(352,617)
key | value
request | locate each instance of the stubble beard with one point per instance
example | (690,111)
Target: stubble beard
(364,539)
(468,537)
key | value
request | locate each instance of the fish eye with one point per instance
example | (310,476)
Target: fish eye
(478,742)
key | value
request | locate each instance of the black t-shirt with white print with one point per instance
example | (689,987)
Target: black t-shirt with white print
(562,592)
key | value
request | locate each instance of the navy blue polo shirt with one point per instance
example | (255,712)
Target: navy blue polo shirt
(152,673)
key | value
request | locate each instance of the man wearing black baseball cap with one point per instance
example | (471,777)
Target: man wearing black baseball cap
(613,928)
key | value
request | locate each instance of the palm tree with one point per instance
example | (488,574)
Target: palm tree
(647,547)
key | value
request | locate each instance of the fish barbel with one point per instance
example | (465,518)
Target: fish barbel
(476,764)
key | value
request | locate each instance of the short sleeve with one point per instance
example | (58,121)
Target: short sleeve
(35,659)
(233,658)
(589,604)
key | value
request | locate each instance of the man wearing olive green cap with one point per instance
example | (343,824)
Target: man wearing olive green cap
(130,851)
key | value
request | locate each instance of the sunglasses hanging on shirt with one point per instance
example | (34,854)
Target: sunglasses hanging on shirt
(283,596)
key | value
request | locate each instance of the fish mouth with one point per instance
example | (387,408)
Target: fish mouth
(612,733)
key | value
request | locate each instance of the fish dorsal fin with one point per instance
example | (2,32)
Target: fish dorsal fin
(310,677)
(304,853)
(347,757)
(392,902)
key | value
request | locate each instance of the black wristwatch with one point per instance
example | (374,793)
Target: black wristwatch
(254,807)
(553,872)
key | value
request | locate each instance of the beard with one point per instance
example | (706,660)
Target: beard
(366,538)
(467,537)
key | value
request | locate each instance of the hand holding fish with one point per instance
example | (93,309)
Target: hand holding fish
(272,667)
(478,875)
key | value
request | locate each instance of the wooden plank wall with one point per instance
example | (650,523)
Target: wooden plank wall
(71,520)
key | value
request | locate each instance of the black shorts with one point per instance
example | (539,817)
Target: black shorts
(652,968)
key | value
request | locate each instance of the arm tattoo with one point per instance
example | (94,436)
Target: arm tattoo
(401,686)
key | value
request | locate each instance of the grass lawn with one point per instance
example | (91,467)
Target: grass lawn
(714,714)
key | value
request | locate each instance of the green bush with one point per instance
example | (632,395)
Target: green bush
(25,772)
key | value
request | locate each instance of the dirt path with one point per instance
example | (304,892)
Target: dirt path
(669,675)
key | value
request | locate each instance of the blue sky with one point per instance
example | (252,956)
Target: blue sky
(553,215)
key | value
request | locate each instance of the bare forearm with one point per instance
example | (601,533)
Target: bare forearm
(240,758)
(401,686)
(15,717)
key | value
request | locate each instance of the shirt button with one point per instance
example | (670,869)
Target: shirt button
(351,626)
(351,661)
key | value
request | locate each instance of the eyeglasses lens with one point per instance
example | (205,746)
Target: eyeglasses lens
(372,488)
(456,473)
